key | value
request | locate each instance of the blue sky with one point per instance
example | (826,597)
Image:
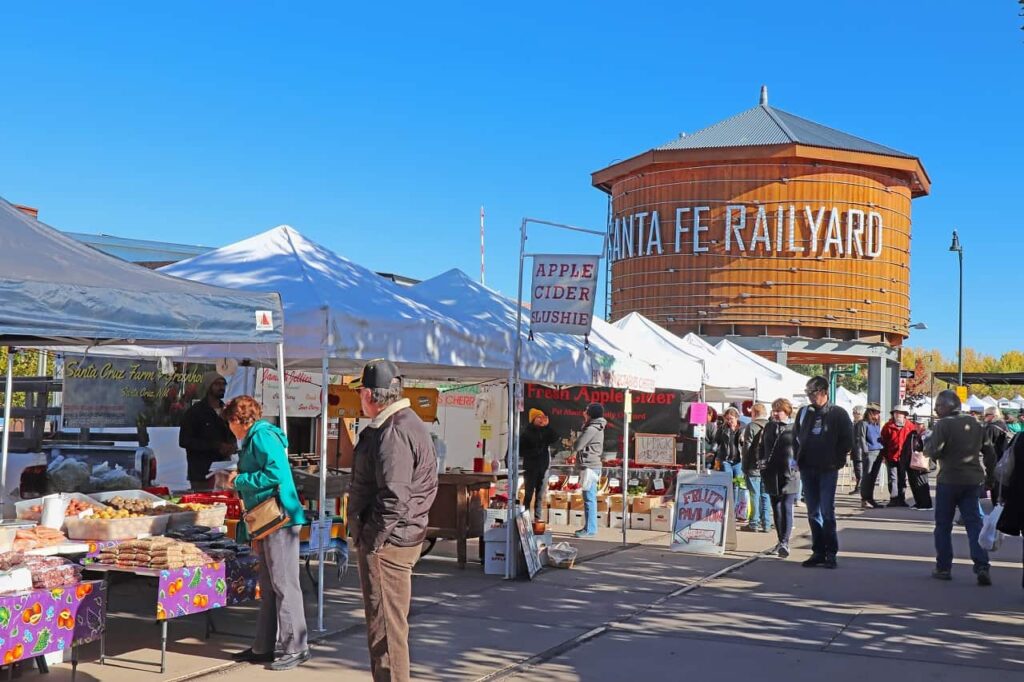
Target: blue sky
(380,132)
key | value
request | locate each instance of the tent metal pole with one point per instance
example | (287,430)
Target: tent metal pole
(324,382)
(280,387)
(8,397)
(627,417)
(511,567)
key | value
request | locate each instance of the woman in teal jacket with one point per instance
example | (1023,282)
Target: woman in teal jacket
(263,472)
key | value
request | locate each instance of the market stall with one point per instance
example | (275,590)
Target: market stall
(59,292)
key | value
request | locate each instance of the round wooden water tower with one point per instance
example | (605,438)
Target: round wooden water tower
(779,233)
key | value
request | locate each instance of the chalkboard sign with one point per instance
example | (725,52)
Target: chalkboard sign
(654,448)
(528,543)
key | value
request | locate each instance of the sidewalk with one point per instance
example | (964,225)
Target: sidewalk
(622,613)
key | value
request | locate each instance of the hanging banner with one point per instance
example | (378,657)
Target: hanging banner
(562,293)
(105,392)
(301,390)
(702,512)
(653,413)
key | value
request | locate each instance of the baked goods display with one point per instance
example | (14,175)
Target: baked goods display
(158,553)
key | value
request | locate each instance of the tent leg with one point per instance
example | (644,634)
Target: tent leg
(280,387)
(627,417)
(324,382)
(8,397)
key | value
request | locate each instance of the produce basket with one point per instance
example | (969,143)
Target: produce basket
(213,517)
(116,529)
(25,509)
(562,555)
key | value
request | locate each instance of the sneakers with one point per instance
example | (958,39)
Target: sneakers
(897,503)
(289,661)
(774,551)
(582,533)
(922,509)
(984,578)
(830,561)
(783,552)
(815,560)
(869,504)
(942,574)
(750,528)
(248,656)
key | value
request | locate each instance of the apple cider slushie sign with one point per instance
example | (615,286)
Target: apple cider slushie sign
(562,294)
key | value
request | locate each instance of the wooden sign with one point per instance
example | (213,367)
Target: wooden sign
(343,401)
(528,543)
(655,448)
(703,509)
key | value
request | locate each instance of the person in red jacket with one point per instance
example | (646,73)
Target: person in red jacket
(894,435)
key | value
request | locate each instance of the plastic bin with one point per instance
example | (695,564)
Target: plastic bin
(89,528)
(232,502)
(24,512)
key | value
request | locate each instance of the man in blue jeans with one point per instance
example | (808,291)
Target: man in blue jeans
(956,445)
(824,438)
(586,454)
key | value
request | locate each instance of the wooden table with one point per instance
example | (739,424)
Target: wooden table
(457,512)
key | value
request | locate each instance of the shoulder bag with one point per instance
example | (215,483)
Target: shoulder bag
(265,518)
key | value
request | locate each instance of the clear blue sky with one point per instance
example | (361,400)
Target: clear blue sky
(380,132)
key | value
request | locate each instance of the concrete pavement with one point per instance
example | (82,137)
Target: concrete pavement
(624,612)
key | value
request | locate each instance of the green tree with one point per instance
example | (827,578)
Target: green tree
(26,363)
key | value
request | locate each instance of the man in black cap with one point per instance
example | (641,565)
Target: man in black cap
(394,481)
(204,435)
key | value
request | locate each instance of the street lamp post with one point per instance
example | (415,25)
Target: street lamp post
(955,246)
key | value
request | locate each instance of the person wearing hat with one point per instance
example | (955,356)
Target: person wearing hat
(894,436)
(535,443)
(956,446)
(586,454)
(394,482)
(871,430)
(858,456)
(997,437)
(204,435)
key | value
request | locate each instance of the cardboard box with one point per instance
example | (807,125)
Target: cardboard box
(577,518)
(615,519)
(558,500)
(640,521)
(576,501)
(558,517)
(602,504)
(603,518)
(615,503)
(494,551)
(661,517)
(492,516)
(644,505)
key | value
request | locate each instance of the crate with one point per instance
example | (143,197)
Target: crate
(233,504)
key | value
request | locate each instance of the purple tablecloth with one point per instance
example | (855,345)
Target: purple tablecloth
(44,621)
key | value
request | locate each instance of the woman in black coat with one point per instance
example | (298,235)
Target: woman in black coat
(780,477)
(918,480)
(1011,521)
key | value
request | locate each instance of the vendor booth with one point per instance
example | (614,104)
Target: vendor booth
(56,292)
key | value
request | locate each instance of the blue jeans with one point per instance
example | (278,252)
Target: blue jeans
(820,497)
(590,510)
(948,498)
(735,471)
(761,503)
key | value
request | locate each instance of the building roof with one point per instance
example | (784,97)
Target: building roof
(766,125)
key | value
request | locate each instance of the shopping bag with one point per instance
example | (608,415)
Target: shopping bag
(990,538)
(919,461)
(589,479)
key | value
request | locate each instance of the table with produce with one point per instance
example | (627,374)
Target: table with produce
(181,545)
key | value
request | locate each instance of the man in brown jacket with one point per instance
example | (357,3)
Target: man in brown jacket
(394,481)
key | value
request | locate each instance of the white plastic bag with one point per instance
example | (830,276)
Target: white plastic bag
(990,538)
(562,555)
(589,479)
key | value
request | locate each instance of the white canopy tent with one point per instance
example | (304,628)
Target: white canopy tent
(975,404)
(724,379)
(793,383)
(849,400)
(548,358)
(57,292)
